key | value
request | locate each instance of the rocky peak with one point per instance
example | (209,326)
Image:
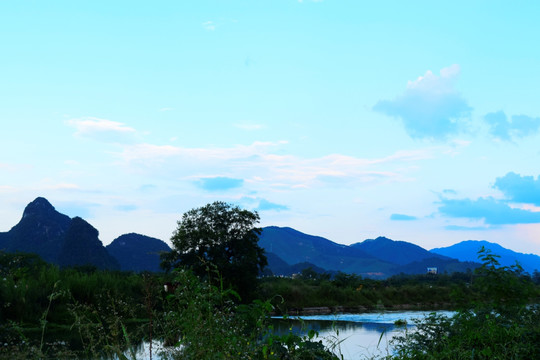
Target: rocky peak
(39,207)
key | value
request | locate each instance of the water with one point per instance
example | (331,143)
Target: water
(355,336)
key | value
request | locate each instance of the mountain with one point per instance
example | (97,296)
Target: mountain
(468,251)
(278,267)
(295,247)
(56,238)
(411,258)
(41,230)
(376,258)
(137,252)
(82,247)
(397,252)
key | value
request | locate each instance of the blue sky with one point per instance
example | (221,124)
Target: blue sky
(419,121)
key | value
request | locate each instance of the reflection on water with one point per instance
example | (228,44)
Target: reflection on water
(355,336)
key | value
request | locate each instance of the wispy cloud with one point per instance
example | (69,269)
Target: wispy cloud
(262,163)
(83,209)
(209,25)
(102,129)
(492,211)
(465,228)
(126,208)
(430,107)
(7,189)
(219,183)
(63,186)
(402,217)
(265,205)
(260,204)
(518,126)
(249,126)
(150,152)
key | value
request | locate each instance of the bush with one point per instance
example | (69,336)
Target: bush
(500,324)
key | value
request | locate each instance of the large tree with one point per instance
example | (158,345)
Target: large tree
(223,237)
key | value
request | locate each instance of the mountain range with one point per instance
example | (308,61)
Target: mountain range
(376,258)
(467,251)
(66,241)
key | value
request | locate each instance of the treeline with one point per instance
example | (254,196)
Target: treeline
(27,284)
(404,291)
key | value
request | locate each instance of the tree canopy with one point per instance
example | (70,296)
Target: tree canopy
(221,236)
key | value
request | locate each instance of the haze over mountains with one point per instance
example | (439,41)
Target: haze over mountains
(66,241)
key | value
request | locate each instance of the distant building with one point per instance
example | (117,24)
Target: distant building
(432,270)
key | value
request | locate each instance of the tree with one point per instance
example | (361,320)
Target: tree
(223,237)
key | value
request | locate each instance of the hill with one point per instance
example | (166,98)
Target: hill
(410,258)
(83,247)
(468,251)
(136,252)
(63,241)
(295,247)
(396,252)
(376,258)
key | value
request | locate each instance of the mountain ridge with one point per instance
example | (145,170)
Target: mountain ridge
(61,240)
(370,258)
(69,242)
(466,250)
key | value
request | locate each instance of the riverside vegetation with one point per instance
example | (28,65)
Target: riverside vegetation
(48,312)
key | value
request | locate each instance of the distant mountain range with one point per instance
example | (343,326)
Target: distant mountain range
(66,241)
(468,251)
(376,258)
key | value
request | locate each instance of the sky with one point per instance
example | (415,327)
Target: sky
(417,120)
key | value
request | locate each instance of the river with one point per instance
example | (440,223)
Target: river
(354,336)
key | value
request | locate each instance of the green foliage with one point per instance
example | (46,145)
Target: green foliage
(205,323)
(203,320)
(101,325)
(220,235)
(405,291)
(499,324)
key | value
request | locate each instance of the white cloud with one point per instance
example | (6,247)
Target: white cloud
(64,186)
(7,189)
(260,166)
(102,129)
(436,84)
(430,107)
(144,152)
(209,25)
(249,126)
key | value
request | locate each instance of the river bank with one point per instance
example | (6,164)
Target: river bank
(327,310)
